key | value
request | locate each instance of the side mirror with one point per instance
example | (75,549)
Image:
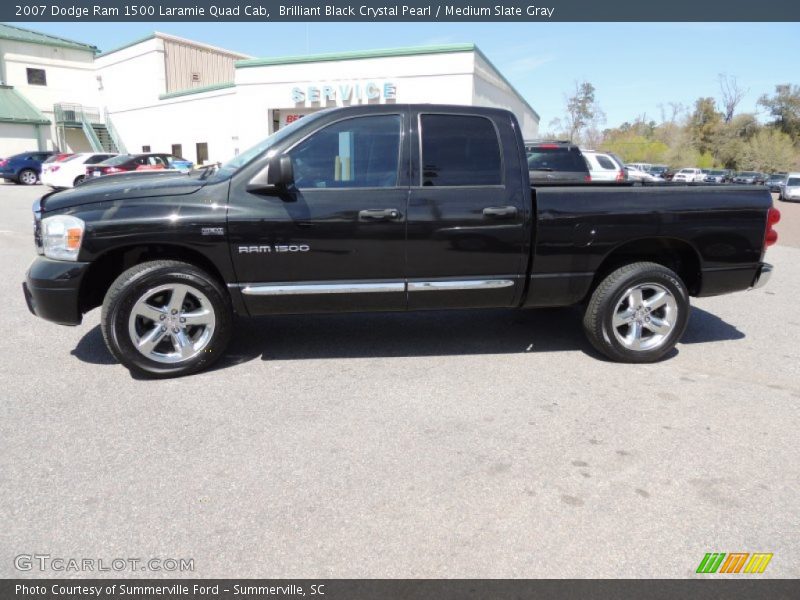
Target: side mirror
(274,178)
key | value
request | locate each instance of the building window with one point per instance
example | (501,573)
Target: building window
(177,150)
(202,152)
(145,148)
(195,77)
(37,77)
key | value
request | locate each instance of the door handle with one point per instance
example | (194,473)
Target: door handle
(379,214)
(500,212)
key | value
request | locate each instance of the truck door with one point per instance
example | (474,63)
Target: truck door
(466,214)
(336,240)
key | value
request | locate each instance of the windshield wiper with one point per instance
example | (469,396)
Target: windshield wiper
(208,170)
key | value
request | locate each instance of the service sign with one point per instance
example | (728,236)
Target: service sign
(353,92)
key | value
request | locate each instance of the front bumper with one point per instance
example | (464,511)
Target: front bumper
(762,276)
(52,290)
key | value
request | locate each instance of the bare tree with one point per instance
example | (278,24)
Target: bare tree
(732,95)
(673,109)
(583,111)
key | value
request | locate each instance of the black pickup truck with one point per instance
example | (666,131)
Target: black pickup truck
(385,208)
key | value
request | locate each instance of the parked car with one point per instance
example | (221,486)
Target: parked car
(151,161)
(776,181)
(791,190)
(640,166)
(750,177)
(717,176)
(688,175)
(636,174)
(378,237)
(71,171)
(659,171)
(604,166)
(24,168)
(556,161)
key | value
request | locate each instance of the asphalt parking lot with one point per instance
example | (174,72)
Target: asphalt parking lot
(463,444)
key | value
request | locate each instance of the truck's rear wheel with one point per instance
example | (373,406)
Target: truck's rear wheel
(637,313)
(166,318)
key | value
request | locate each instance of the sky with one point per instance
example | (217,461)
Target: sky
(635,67)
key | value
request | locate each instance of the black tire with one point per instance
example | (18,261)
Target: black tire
(78,180)
(140,280)
(612,294)
(27,177)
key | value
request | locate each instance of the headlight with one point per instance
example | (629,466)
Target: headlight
(62,236)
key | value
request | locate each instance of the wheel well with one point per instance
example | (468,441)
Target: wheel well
(104,270)
(674,254)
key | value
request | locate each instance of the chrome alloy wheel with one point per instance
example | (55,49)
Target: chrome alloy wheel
(171,323)
(644,316)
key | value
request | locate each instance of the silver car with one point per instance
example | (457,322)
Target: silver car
(791,190)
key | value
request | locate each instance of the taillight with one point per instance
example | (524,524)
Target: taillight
(587,178)
(771,236)
(548,146)
(3,163)
(108,170)
(54,168)
(620,177)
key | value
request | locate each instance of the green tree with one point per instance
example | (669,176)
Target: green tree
(769,150)
(704,124)
(784,107)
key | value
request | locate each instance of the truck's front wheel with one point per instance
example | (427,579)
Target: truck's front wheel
(166,318)
(637,313)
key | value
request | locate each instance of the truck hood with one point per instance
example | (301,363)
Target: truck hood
(124,186)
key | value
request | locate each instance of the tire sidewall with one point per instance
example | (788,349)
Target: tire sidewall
(655,275)
(133,290)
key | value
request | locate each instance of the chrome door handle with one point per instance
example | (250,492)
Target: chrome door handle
(500,211)
(379,214)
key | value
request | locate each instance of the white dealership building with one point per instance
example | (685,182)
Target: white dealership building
(169,94)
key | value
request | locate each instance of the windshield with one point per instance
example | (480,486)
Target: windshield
(716,172)
(748,174)
(240,160)
(793,182)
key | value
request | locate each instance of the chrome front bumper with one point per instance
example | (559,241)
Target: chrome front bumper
(762,276)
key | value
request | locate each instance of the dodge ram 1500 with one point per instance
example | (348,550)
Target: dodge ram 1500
(385,208)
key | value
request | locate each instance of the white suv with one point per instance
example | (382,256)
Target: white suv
(689,174)
(603,167)
(791,189)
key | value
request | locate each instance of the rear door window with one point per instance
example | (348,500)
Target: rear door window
(460,150)
(606,162)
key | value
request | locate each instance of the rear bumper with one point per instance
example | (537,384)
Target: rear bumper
(734,279)
(52,290)
(762,276)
